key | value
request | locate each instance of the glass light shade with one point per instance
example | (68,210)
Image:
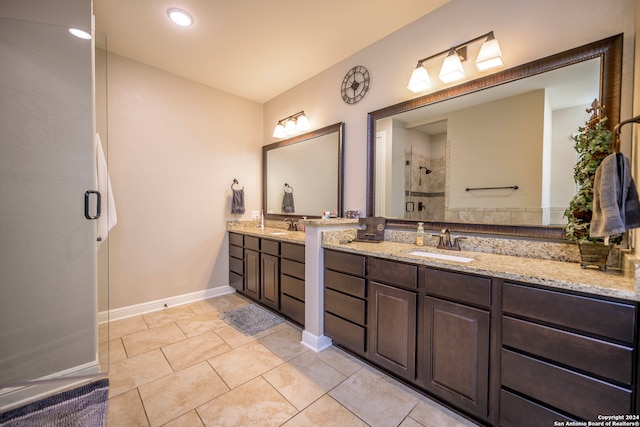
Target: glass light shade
(279,132)
(303,123)
(81,34)
(419,80)
(180,17)
(451,68)
(489,56)
(290,127)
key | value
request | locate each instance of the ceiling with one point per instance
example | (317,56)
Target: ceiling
(255,49)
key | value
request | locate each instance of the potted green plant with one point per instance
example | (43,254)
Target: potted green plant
(593,142)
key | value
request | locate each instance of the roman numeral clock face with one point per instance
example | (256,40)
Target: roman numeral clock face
(355,85)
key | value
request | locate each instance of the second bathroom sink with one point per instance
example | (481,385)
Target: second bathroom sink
(441,256)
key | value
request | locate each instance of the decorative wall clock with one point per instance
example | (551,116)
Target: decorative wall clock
(355,84)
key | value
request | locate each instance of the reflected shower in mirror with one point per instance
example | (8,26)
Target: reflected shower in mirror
(499,148)
(302,176)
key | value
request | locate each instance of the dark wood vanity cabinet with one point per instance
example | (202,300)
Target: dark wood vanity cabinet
(565,356)
(269,271)
(508,354)
(292,273)
(392,316)
(236,261)
(454,338)
(345,304)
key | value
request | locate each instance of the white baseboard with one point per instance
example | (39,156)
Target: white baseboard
(147,307)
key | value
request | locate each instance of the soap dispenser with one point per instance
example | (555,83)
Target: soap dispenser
(420,235)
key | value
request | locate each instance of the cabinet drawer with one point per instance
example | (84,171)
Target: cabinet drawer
(292,251)
(270,247)
(236,281)
(236,251)
(457,286)
(607,319)
(516,411)
(345,262)
(292,268)
(587,354)
(292,287)
(292,308)
(236,265)
(351,285)
(563,389)
(345,306)
(236,239)
(394,273)
(251,242)
(345,333)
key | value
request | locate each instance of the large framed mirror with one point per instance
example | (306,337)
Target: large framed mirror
(303,175)
(493,155)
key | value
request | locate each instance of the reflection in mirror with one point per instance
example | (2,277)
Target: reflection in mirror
(518,134)
(502,154)
(302,176)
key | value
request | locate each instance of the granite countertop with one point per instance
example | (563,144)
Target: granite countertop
(275,233)
(565,275)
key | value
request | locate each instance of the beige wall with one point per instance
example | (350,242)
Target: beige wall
(174,149)
(526,30)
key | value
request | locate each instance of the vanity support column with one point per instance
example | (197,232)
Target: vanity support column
(313,335)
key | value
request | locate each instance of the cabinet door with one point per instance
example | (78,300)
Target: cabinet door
(392,329)
(252,273)
(269,285)
(455,356)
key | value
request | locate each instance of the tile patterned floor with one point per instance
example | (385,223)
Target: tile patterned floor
(183,366)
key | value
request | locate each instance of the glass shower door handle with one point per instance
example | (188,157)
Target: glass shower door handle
(409,207)
(87,200)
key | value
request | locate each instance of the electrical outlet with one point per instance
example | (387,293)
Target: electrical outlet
(255,214)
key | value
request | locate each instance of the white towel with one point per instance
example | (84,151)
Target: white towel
(108,217)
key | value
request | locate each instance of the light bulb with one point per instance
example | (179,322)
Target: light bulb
(451,68)
(490,55)
(180,17)
(419,80)
(303,123)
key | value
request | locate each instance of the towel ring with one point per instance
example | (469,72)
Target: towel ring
(235,182)
(288,187)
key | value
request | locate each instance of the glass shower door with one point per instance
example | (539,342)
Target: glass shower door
(49,297)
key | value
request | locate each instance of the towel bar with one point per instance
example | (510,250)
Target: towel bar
(514,187)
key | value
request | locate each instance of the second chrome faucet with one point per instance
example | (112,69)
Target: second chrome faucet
(445,242)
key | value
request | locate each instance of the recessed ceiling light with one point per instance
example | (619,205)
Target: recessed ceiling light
(180,17)
(81,34)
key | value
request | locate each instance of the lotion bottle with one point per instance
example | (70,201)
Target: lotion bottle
(420,235)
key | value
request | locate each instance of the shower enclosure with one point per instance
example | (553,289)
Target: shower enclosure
(424,186)
(53,278)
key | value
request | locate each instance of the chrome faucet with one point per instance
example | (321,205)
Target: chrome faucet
(444,241)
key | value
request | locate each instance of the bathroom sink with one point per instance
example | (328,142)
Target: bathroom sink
(441,256)
(278,233)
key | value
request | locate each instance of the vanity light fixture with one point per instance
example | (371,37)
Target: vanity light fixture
(180,17)
(489,57)
(291,125)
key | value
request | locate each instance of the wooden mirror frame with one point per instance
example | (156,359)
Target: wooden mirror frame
(337,128)
(609,51)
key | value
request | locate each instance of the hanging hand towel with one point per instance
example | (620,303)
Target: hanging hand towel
(616,208)
(237,202)
(287,202)
(108,221)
